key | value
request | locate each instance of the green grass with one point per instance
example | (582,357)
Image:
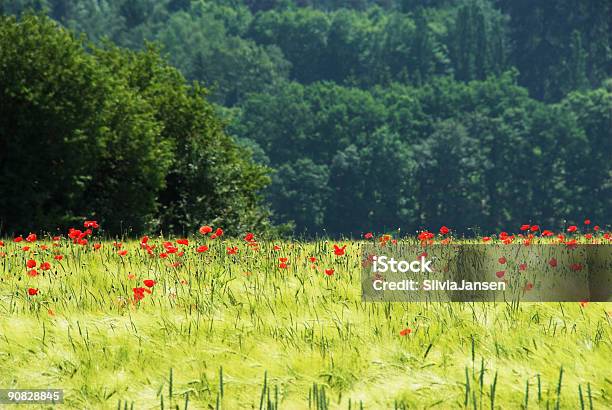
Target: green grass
(236,331)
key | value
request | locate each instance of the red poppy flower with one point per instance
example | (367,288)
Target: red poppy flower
(45,266)
(553,262)
(232,250)
(139,294)
(502,260)
(122,253)
(444,230)
(32,291)
(486,239)
(587,221)
(529,286)
(31,237)
(546,232)
(205,230)
(596,228)
(249,237)
(219,232)
(572,228)
(182,242)
(329,272)
(202,248)
(405,332)
(18,239)
(97,246)
(25,248)
(1,244)
(368,235)
(523,266)
(425,236)
(384,239)
(576,267)
(32,272)
(276,248)
(163,255)
(91,224)
(149,283)
(58,257)
(283,265)
(525,227)
(312,259)
(31,263)
(534,228)
(500,274)
(339,251)
(584,302)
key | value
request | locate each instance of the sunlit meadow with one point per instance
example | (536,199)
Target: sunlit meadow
(210,322)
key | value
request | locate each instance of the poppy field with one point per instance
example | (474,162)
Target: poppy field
(211,322)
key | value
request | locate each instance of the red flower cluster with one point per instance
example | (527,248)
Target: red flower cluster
(339,251)
(426,237)
(139,292)
(205,230)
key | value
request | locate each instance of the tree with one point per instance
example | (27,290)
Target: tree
(231,66)
(48,123)
(450,178)
(372,186)
(542,38)
(299,193)
(302,37)
(592,110)
(119,136)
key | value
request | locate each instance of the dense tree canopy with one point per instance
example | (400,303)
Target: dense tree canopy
(371,114)
(112,135)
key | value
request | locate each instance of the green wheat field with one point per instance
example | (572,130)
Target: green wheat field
(271,326)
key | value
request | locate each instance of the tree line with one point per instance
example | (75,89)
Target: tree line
(379,114)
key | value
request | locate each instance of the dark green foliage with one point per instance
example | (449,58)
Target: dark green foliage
(372,185)
(556,44)
(112,135)
(49,123)
(300,193)
(372,114)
